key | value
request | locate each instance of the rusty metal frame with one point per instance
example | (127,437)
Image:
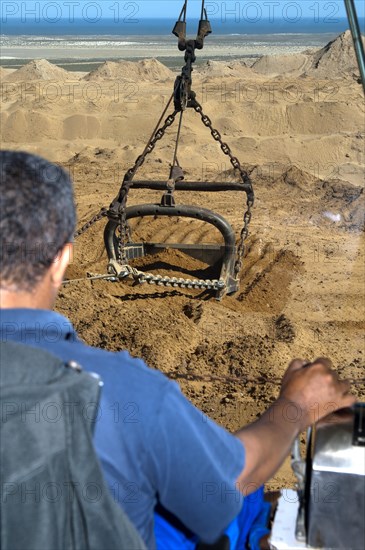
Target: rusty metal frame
(208,253)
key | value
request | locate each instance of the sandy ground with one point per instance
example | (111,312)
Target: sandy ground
(297,125)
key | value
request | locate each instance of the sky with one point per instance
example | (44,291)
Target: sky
(143,9)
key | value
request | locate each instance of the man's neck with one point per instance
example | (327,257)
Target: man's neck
(39,298)
(10,300)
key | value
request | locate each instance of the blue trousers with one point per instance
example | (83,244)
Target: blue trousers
(249,526)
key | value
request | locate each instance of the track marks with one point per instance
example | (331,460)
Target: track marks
(174,230)
(266,284)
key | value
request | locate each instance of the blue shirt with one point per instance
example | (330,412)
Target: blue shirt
(154,445)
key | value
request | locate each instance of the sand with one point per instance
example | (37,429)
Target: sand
(145,70)
(336,59)
(39,69)
(297,125)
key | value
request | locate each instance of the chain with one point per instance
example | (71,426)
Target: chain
(124,234)
(243,236)
(244,176)
(108,277)
(160,280)
(182,87)
(124,271)
(263,379)
(159,134)
(103,212)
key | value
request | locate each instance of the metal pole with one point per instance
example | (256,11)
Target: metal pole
(356,36)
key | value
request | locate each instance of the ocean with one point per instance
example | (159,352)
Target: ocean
(82,45)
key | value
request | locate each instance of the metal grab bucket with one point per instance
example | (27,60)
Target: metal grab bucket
(208,253)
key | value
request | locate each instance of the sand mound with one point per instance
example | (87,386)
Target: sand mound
(38,69)
(325,202)
(221,68)
(81,127)
(297,178)
(336,58)
(274,65)
(3,74)
(345,204)
(147,69)
(32,127)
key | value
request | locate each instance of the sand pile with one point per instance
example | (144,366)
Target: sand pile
(325,202)
(147,69)
(291,65)
(38,69)
(235,69)
(299,180)
(3,74)
(336,58)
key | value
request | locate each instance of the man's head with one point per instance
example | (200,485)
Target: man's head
(37,220)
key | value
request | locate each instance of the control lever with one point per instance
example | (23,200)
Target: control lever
(299,467)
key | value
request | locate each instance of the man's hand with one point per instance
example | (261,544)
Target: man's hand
(309,392)
(315,389)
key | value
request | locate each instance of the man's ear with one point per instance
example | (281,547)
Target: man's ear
(60,263)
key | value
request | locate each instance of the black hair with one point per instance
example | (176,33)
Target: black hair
(37,217)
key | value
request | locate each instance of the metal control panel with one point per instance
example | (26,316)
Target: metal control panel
(336,499)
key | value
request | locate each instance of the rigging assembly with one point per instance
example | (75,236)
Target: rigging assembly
(117,234)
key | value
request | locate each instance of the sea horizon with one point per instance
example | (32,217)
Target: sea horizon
(81,46)
(160,26)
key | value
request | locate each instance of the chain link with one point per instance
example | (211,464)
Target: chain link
(243,236)
(123,227)
(159,134)
(103,212)
(245,179)
(125,271)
